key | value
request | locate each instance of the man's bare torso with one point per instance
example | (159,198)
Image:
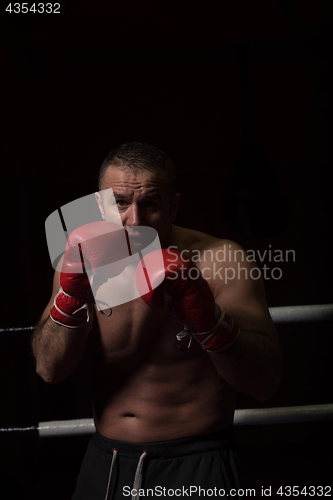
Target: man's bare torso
(147,385)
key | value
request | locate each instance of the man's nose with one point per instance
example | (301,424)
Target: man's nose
(134,216)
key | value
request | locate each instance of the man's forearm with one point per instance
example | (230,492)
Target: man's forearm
(251,365)
(57,349)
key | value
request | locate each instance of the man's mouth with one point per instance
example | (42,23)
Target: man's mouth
(140,237)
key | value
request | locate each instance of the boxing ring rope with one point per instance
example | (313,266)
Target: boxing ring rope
(295,314)
(285,314)
(262,416)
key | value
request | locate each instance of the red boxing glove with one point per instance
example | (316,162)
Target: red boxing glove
(189,297)
(88,248)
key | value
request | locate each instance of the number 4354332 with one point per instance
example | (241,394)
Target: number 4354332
(35,8)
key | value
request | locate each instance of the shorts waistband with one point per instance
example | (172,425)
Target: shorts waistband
(165,449)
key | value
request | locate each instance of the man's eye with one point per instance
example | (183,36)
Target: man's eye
(121,203)
(151,204)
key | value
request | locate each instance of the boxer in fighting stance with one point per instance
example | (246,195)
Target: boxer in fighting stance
(164,366)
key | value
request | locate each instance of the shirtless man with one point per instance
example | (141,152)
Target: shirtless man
(163,409)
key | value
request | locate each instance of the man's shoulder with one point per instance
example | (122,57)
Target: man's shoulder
(200,244)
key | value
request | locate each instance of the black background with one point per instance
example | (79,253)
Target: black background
(239,95)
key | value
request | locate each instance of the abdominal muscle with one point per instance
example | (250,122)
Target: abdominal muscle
(149,387)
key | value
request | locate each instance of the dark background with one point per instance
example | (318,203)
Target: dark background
(239,95)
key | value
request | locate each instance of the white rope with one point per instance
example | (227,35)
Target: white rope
(284,415)
(261,416)
(294,314)
(285,314)
(61,428)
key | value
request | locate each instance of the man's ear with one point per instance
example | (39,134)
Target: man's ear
(175,205)
(100,204)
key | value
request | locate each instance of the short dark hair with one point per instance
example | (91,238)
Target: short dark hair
(140,156)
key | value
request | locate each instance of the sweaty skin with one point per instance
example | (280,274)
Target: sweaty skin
(147,386)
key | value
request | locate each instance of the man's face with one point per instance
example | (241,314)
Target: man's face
(143,198)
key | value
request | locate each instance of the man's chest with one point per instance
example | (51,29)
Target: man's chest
(134,329)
